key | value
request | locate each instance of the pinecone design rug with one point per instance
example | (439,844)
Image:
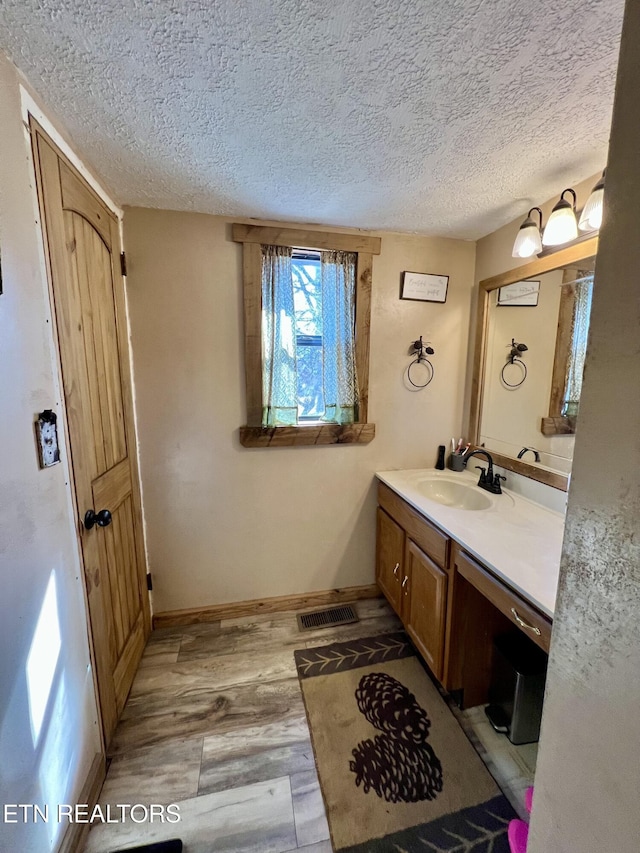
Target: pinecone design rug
(399,765)
(397,772)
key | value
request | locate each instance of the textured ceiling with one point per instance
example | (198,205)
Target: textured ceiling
(445,117)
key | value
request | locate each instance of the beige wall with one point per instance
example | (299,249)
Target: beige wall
(227,523)
(588,775)
(38,540)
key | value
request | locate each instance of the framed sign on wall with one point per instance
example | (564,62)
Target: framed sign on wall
(424,287)
(519,293)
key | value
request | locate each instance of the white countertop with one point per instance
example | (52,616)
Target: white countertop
(518,540)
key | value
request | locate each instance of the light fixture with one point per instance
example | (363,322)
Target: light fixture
(561,226)
(591,218)
(528,240)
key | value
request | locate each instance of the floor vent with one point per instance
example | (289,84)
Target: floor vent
(327,618)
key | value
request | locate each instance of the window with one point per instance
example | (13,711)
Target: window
(307,310)
(307,306)
(308,337)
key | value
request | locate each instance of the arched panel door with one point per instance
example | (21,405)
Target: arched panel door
(83,248)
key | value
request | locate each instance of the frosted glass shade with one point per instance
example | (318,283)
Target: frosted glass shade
(527,242)
(591,218)
(562,226)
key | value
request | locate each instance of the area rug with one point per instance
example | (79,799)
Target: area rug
(397,772)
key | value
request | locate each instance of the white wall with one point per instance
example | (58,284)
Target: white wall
(37,538)
(588,775)
(226,523)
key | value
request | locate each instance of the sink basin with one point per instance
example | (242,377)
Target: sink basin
(453,493)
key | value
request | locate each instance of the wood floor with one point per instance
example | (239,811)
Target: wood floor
(215,723)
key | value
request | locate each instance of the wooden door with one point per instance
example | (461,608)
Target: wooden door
(82,244)
(427,606)
(390,559)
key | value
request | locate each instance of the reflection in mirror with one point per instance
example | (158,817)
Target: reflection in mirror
(532,333)
(537,388)
(571,348)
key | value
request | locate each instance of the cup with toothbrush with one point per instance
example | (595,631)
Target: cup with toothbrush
(458,454)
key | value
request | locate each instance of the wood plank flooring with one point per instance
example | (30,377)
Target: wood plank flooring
(215,723)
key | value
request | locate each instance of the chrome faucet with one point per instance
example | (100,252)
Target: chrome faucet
(524,450)
(488,481)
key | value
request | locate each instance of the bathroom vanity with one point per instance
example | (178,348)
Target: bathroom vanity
(461,566)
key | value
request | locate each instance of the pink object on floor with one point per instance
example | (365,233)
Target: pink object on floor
(517,834)
(528,799)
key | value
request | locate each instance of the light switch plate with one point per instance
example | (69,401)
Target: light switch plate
(47,438)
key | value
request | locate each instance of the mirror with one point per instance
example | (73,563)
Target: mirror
(530,341)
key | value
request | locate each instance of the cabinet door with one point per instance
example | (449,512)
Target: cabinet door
(427,602)
(389,558)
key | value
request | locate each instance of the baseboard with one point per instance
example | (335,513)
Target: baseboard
(214,612)
(76,834)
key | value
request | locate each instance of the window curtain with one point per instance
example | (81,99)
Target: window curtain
(579,333)
(338,276)
(279,374)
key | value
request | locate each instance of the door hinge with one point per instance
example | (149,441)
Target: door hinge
(123,263)
(149,582)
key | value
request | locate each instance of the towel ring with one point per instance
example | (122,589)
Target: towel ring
(514,360)
(421,359)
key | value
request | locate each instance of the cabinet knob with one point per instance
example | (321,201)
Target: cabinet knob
(405,581)
(524,624)
(396,569)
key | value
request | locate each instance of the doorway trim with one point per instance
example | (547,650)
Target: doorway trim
(31,110)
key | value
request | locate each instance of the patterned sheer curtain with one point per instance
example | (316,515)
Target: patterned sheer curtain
(279,374)
(340,384)
(279,338)
(579,333)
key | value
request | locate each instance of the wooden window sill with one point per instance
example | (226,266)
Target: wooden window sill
(298,436)
(558,425)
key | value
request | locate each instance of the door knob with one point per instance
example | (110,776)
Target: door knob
(102,518)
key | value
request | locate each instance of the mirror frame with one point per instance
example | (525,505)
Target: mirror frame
(556,260)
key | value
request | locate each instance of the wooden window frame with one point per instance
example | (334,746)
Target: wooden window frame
(253,237)
(557,423)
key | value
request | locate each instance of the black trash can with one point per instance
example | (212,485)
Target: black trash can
(517,688)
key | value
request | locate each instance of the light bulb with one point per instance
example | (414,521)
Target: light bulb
(527,242)
(561,226)
(591,218)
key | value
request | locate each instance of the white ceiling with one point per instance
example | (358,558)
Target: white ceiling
(446,117)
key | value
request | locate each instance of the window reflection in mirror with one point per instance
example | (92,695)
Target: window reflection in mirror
(571,346)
